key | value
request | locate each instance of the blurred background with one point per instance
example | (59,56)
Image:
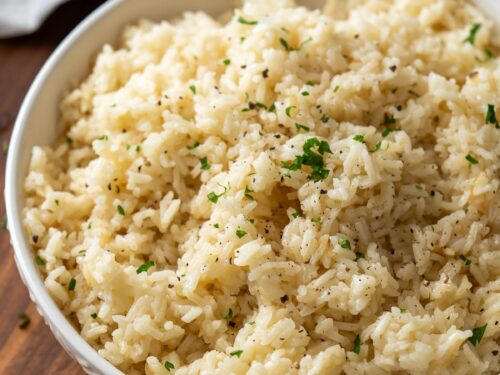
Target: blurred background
(26,345)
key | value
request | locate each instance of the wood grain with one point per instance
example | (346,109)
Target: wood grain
(33,350)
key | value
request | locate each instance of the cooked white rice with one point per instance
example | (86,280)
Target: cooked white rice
(381,256)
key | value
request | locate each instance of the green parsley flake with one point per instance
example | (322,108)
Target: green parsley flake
(471,159)
(56,201)
(296,214)
(247,22)
(193,146)
(236,353)
(169,366)
(40,261)
(472,33)
(344,243)
(491,117)
(212,197)
(466,261)
(316,219)
(229,315)
(288,109)
(69,140)
(325,118)
(336,88)
(72,285)
(284,43)
(419,187)
(102,138)
(303,127)
(120,210)
(312,159)
(205,165)
(138,149)
(359,255)
(216,225)
(311,83)
(93,316)
(247,193)
(304,93)
(402,311)
(377,147)
(261,105)
(144,267)
(241,233)
(411,92)
(359,138)
(389,119)
(272,108)
(3,222)
(226,61)
(24,320)
(357,345)
(193,89)
(477,335)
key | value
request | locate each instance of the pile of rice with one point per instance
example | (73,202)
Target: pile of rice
(282,191)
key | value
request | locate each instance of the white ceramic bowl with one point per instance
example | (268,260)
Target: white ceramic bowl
(37,124)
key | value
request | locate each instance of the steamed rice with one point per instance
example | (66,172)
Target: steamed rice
(202,237)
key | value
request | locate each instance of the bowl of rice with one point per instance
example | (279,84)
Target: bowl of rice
(266,188)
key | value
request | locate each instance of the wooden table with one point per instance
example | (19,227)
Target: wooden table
(32,350)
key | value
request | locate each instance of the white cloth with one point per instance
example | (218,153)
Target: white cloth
(18,17)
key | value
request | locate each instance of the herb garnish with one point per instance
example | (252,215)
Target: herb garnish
(246,22)
(229,314)
(24,320)
(193,146)
(120,210)
(377,147)
(296,214)
(212,197)
(419,187)
(477,335)
(247,193)
(336,88)
(40,261)
(471,159)
(288,109)
(311,159)
(93,316)
(193,89)
(359,138)
(491,117)
(472,33)
(303,127)
(169,366)
(3,222)
(466,261)
(411,92)
(344,243)
(69,140)
(216,225)
(205,165)
(144,267)
(357,345)
(304,93)
(226,61)
(236,353)
(241,233)
(325,118)
(72,285)
(102,138)
(285,44)
(389,119)
(359,255)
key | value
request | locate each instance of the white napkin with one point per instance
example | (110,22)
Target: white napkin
(18,17)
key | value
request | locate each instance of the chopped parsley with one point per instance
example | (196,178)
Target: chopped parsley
(389,119)
(241,233)
(316,219)
(359,255)
(56,201)
(296,214)
(357,345)
(247,193)
(419,187)
(72,285)
(303,127)
(310,83)
(229,315)
(212,197)
(69,140)
(491,117)
(344,243)
(411,92)
(3,222)
(325,118)
(377,147)
(387,131)
(284,43)
(402,311)
(471,159)
(138,149)
(193,146)
(40,261)
(489,56)
(272,108)
(288,109)
(336,88)
(477,335)
(205,165)
(120,210)
(144,267)
(466,261)
(93,316)
(169,366)
(216,225)
(102,138)
(24,320)
(236,353)
(226,61)
(304,93)
(246,22)
(193,89)
(474,29)
(312,159)
(359,138)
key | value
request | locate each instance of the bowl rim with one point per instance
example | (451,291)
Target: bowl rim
(23,256)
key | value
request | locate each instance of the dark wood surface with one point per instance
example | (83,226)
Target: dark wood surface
(32,350)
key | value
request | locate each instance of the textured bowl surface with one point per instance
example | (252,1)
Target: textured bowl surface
(37,125)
